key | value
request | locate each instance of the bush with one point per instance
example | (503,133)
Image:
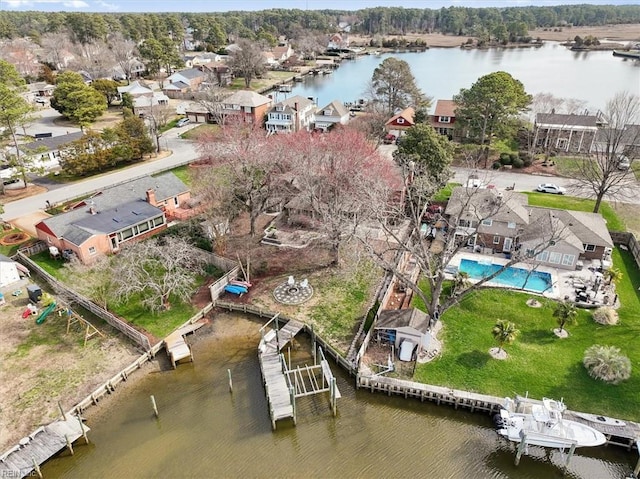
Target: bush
(496,165)
(517,163)
(607,364)
(606,316)
(505,159)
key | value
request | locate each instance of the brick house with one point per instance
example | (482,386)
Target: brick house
(492,221)
(128,212)
(247,106)
(444,118)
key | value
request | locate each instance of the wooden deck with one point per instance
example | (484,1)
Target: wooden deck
(177,347)
(44,443)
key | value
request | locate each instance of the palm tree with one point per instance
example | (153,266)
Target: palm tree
(613,275)
(504,332)
(460,282)
(566,312)
(607,364)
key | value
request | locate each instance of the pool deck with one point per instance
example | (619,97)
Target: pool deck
(564,282)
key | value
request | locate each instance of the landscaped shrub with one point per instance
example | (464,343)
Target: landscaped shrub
(517,163)
(605,316)
(496,165)
(505,159)
(607,364)
(513,156)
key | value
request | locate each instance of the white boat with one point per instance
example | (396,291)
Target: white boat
(544,426)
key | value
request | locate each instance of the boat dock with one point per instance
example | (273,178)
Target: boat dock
(177,347)
(46,441)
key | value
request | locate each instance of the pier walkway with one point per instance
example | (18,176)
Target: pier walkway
(45,442)
(273,367)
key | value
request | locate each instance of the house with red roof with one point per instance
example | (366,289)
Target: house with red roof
(400,122)
(444,118)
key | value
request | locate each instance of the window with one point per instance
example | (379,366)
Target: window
(158,221)
(487,222)
(511,225)
(247,109)
(400,121)
(567,259)
(445,119)
(464,223)
(92,250)
(589,247)
(496,239)
(555,258)
(544,256)
(176,202)
(126,234)
(562,143)
(142,227)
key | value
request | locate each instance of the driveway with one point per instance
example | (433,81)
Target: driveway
(44,123)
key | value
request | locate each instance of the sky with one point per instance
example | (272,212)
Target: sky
(248,5)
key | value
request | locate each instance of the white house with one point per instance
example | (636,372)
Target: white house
(47,150)
(335,113)
(293,114)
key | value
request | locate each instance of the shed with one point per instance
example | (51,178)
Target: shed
(396,325)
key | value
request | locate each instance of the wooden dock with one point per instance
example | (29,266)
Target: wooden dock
(43,443)
(279,393)
(177,347)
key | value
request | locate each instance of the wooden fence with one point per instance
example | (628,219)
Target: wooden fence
(629,240)
(136,336)
(216,289)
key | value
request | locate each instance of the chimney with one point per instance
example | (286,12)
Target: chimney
(295,107)
(151,197)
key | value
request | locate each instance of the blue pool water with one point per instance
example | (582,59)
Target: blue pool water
(513,277)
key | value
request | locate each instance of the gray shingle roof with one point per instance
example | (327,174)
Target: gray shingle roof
(290,103)
(126,202)
(484,203)
(336,108)
(398,318)
(53,143)
(567,120)
(246,98)
(190,73)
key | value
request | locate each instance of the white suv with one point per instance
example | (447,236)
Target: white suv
(623,162)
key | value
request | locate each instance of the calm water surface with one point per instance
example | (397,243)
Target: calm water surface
(204,431)
(441,72)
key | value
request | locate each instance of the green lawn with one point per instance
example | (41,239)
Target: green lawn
(539,363)
(614,223)
(194,133)
(445,193)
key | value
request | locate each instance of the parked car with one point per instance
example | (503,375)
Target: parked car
(389,139)
(40,100)
(624,163)
(182,122)
(551,188)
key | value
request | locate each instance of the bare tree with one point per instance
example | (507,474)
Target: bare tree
(54,46)
(211,99)
(334,176)
(124,52)
(94,58)
(605,174)
(157,269)
(254,172)
(247,61)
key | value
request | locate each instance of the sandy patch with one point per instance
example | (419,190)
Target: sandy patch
(497,353)
(561,333)
(28,223)
(534,303)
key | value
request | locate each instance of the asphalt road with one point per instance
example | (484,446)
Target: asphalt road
(183,151)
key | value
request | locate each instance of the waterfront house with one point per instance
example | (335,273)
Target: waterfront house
(127,212)
(400,122)
(444,118)
(335,113)
(282,53)
(290,115)
(246,106)
(569,133)
(491,221)
(338,42)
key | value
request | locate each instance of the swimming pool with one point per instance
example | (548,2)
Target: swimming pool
(514,277)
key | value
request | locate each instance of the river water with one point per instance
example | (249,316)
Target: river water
(441,72)
(204,431)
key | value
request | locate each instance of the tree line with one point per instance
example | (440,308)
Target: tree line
(217,28)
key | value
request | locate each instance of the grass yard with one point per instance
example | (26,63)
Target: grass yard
(194,133)
(539,363)
(445,193)
(183,173)
(614,223)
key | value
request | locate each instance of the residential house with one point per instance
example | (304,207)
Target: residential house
(127,212)
(41,89)
(191,77)
(216,73)
(335,113)
(282,53)
(197,113)
(245,105)
(568,133)
(269,59)
(290,115)
(492,221)
(46,151)
(144,105)
(400,122)
(444,118)
(338,42)
(624,142)
(135,89)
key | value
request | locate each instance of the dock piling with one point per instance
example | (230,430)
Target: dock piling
(83,430)
(155,407)
(64,416)
(69,446)
(36,467)
(521,447)
(230,381)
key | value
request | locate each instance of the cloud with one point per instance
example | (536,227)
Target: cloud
(34,3)
(107,6)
